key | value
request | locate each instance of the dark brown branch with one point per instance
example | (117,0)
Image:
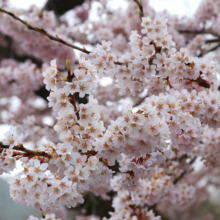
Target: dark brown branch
(192,31)
(73,97)
(168,82)
(42,31)
(203,31)
(201,82)
(90,153)
(177,179)
(51,37)
(119,63)
(140,101)
(73,102)
(210,50)
(217,40)
(29,153)
(21,150)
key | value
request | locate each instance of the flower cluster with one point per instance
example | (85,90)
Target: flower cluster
(132,205)
(103,59)
(208,148)
(144,152)
(71,173)
(7,161)
(11,138)
(42,189)
(20,79)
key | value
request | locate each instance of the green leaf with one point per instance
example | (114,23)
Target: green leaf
(26,24)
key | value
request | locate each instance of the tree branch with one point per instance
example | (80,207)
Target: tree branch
(203,31)
(217,40)
(44,32)
(32,153)
(139,102)
(140,6)
(177,179)
(210,50)
(201,82)
(29,153)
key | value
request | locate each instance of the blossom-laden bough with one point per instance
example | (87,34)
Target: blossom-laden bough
(154,144)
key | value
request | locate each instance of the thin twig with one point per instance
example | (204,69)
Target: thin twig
(140,6)
(201,82)
(210,50)
(177,179)
(51,37)
(73,97)
(42,31)
(73,102)
(140,101)
(192,31)
(217,40)
(203,31)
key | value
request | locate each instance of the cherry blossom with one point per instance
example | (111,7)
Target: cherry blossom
(138,137)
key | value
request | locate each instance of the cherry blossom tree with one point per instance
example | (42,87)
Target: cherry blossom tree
(130,145)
